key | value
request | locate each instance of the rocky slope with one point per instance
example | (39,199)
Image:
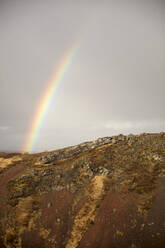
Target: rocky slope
(108,193)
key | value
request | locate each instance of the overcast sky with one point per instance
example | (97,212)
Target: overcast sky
(115,83)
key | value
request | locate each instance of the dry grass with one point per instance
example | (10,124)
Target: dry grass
(5,162)
(87,213)
(24,219)
(44,233)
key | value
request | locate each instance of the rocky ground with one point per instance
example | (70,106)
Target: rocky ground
(108,193)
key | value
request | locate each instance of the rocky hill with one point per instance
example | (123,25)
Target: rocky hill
(108,193)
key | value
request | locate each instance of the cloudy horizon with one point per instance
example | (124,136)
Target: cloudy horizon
(114,84)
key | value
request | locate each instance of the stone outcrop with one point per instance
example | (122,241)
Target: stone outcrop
(84,147)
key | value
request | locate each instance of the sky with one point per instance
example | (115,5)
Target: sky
(114,84)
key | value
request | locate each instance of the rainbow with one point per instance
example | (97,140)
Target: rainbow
(47,98)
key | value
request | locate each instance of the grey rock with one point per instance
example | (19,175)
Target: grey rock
(104,171)
(59,188)
(113,141)
(83,147)
(121,137)
(49,204)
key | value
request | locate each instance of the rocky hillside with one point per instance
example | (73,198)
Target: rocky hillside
(109,193)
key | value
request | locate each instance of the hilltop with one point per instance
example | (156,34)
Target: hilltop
(107,193)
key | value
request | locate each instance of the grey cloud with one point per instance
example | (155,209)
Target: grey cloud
(4,128)
(115,82)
